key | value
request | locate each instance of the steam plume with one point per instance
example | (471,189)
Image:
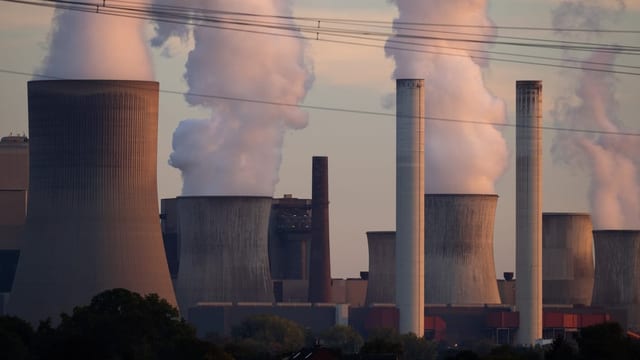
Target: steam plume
(459,157)
(613,161)
(95,46)
(237,151)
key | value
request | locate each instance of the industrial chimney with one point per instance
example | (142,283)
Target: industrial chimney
(319,262)
(92,214)
(223,250)
(567,258)
(617,275)
(459,265)
(529,210)
(382,267)
(410,205)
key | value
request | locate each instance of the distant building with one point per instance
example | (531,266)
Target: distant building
(14,183)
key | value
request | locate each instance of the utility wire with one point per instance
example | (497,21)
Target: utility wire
(352,111)
(583,65)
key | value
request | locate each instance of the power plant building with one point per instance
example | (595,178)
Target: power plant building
(382,267)
(14,183)
(458,252)
(223,254)
(617,275)
(529,209)
(410,205)
(92,212)
(567,259)
(290,238)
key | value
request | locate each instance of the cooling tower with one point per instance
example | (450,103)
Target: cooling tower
(92,219)
(567,258)
(319,262)
(410,205)
(529,210)
(617,274)
(458,263)
(382,267)
(223,250)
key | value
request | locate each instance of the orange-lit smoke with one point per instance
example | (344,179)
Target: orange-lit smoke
(237,151)
(460,157)
(84,45)
(613,161)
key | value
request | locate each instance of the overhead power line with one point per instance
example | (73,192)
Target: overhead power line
(351,111)
(185,16)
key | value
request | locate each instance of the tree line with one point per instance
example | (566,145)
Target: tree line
(121,325)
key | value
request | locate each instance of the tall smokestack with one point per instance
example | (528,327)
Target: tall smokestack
(320,263)
(223,250)
(410,204)
(567,258)
(382,267)
(529,210)
(459,266)
(92,218)
(617,275)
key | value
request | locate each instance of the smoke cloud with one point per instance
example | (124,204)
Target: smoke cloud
(613,161)
(237,151)
(459,157)
(94,46)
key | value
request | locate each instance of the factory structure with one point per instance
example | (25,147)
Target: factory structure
(91,222)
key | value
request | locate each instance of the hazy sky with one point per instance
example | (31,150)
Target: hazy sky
(360,147)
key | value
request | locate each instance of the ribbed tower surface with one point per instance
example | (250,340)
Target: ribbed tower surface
(223,250)
(459,265)
(92,221)
(617,274)
(567,258)
(382,267)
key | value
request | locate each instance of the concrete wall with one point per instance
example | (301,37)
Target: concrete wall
(507,290)
(567,258)
(223,250)
(617,275)
(529,209)
(349,291)
(382,267)
(459,265)
(92,213)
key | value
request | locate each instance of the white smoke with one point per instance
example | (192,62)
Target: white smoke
(613,161)
(459,157)
(237,151)
(95,46)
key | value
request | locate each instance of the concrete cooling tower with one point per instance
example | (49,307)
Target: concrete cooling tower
(459,265)
(92,213)
(223,250)
(382,267)
(617,275)
(567,258)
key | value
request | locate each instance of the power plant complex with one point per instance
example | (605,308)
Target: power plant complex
(80,215)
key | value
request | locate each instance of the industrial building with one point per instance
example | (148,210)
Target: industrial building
(567,258)
(14,183)
(92,212)
(617,275)
(222,250)
(382,267)
(230,257)
(458,250)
